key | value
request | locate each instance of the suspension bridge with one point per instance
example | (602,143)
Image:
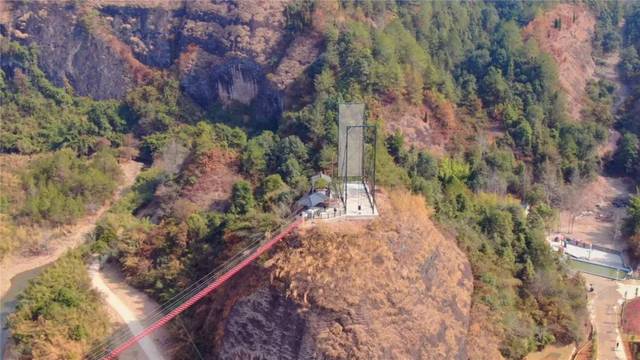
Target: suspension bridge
(123,338)
(356,193)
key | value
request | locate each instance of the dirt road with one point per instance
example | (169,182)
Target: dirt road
(15,264)
(16,270)
(130,305)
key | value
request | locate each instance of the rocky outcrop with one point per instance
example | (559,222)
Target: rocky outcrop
(236,83)
(221,52)
(68,52)
(393,288)
(151,33)
(266,325)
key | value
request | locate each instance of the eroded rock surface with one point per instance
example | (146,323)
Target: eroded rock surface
(68,53)
(394,288)
(224,54)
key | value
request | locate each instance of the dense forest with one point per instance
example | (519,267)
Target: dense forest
(471,56)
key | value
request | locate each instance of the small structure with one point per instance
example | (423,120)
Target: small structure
(320,205)
(313,199)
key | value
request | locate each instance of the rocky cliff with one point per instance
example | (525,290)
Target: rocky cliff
(222,53)
(393,288)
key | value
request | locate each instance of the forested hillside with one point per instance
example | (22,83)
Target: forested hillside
(228,152)
(627,159)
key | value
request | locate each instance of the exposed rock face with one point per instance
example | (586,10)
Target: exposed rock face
(570,45)
(236,82)
(265,325)
(221,52)
(68,52)
(394,288)
(151,33)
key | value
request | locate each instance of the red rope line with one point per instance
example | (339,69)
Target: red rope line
(204,292)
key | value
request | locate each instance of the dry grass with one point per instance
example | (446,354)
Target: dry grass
(570,46)
(433,124)
(397,286)
(11,165)
(12,235)
(215,174)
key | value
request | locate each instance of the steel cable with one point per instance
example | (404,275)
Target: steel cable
(124,333)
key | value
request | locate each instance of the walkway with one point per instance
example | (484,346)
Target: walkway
(605,305)
(130,305)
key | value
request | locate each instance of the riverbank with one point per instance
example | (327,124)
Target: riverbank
(16,269)
(75,235)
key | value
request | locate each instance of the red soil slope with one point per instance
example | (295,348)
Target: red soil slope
(216,172)
(570,46)
(434,124)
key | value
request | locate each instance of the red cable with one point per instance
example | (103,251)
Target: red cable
(214,285)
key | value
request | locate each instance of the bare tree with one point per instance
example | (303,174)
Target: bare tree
(573,202)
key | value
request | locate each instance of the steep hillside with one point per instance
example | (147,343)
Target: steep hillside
(433,125)
(566,33)
(469,115)
(214,174)
(221,53)
(395,288)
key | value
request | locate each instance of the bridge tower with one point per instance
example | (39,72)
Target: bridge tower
(356,182)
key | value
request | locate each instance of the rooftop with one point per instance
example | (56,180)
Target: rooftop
(631,317)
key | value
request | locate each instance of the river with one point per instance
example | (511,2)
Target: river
(17,270)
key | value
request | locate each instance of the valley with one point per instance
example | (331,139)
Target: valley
(18,269)
(596,217)
(146,144)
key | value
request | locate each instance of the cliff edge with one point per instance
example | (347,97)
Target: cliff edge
(392,288)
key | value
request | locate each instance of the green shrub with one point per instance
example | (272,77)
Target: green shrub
(242,200)
(61,187)
(59,315)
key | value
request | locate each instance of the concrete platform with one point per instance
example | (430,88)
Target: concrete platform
(597,256)
(359,202)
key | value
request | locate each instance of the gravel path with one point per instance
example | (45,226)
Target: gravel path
(16,269)
(130,305)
